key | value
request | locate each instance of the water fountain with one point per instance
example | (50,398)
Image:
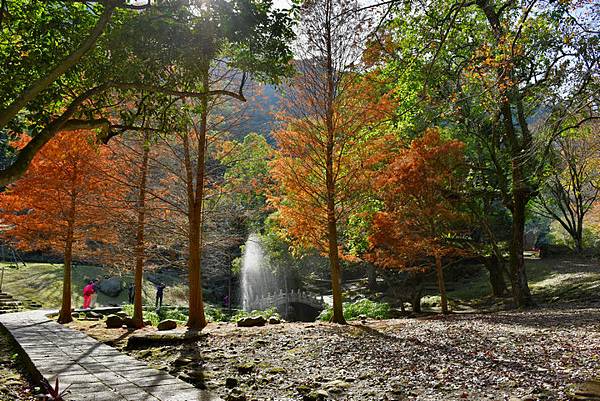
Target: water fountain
(257,278)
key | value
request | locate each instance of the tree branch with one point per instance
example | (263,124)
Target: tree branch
(42,83)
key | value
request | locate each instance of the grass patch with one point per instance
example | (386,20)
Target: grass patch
(42,282)
(358,309)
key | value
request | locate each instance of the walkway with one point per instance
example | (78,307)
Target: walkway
(95,371)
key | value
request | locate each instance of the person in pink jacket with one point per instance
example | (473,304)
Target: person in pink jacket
(88,290)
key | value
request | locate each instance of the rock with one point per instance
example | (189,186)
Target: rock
(231,382)
(317,395)
(236,395)
(274,320)
(122,314)
(336,386)
(245,368)
(181,361)
(251,321)
(167,324)
(147,323)
(589,390)
(92,318)
(276,370)
(114,322)
(128,322)
(110,286)
(95,314)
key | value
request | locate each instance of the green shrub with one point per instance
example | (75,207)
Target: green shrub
(173,314)
(147,315)
(363,307)
(214,314)
(267,313)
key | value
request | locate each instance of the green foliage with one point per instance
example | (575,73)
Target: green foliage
(214,314)
(267,313)
(363,307)
(147,315)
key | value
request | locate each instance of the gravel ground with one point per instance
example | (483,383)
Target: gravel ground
(14,382)
(539,354)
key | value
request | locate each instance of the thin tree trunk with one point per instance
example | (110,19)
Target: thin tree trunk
(138,314)
(520,289)
(197,318)
(371,277)
(64,315)
(334,257)
(441,284)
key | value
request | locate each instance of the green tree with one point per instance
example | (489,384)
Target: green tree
(507,78)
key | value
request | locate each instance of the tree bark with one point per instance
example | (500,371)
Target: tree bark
(497,282)
(439,271)
(520,289)
(138,314)
(64,315)
(371,277)
(197,318)
(415,301)
(334,257)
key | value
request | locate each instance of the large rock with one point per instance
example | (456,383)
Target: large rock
(251,321)
(110,286)
(167,325)
(114,322)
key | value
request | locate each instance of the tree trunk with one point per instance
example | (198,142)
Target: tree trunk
(334,257)
(415,301)
(439,271)
(138,314)
(197,318)
(520,289)
(371,277)
(499,288)
(64,315)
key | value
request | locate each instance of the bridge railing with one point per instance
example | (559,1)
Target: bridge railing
(281,297)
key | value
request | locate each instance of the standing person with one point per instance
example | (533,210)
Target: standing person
(94,295)
(87,295)
(159,294)
(131,292)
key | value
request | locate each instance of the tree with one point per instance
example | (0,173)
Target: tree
(94,91)
(574,184)
(324,152)
(420,188)
(507,76)
(63,202)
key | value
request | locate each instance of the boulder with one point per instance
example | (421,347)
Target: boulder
(274,320)
(110,286)
(114,322)
(122,314)
(251,321)
(167,324)
(93,315)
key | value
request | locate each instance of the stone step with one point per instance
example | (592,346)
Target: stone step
(9,303)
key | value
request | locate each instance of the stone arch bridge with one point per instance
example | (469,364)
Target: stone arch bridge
(292,305)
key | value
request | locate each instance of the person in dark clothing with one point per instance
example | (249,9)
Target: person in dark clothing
(159,295)
(131,292)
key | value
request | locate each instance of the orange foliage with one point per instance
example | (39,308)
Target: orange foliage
(300,163)
(419,188)
(64,187)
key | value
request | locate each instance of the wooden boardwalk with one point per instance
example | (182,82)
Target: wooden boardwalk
(96,372)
